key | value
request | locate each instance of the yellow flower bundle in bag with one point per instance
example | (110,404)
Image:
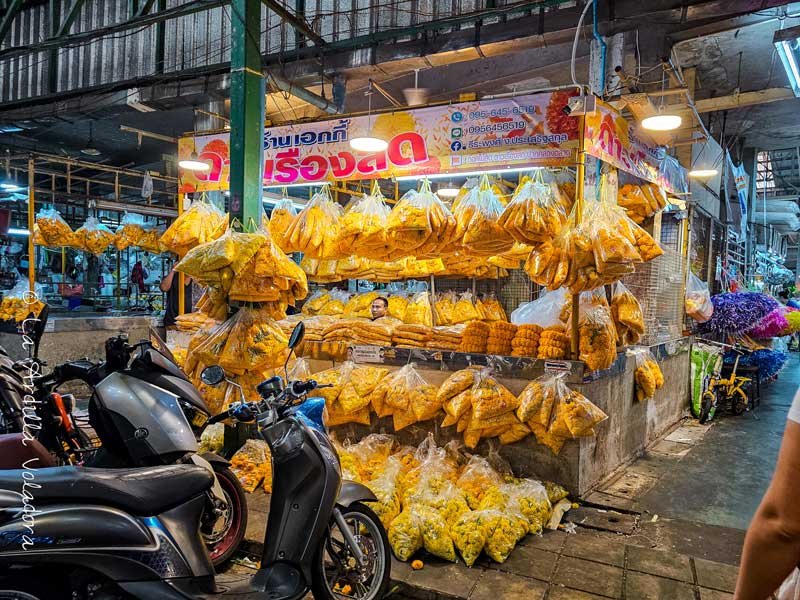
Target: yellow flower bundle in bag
(315,230)
(627,314)
(536,212)
(129,231)
(419,311)
(647,374)
(232,250)
(598,338)
(201,223)
(53,230)
(283,214)
(362,228)
(93,236)
(420,224)
(477,218)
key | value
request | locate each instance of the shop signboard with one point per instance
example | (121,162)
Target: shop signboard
(524,131)
(614,140)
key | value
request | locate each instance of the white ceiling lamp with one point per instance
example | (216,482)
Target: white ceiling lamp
(662,121)
(369,143)
(448,190)
(89,149)
(193,163)
(787,44)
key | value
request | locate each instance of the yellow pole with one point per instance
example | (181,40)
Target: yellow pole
(31,222)
(580,176)
(181,285)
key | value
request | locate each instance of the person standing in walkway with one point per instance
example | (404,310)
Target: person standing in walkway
(772,545)
(170,285)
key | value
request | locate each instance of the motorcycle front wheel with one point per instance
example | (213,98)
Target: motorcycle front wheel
(336,573)
(223,532)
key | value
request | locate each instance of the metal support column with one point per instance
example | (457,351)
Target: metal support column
(247,112)
(580,181)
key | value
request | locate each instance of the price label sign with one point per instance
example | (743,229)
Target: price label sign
(366,354)
(557,366)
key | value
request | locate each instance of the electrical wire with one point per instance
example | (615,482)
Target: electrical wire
(575,42)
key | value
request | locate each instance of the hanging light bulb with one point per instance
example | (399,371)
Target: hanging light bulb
(89,149)
(448,190)
(193,163)
(662,121)
(369,143)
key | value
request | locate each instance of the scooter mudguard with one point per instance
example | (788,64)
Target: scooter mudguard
(354,492)
(306,479)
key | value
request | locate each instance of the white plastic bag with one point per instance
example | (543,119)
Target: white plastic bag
(544,311)
(698,299)
(790,588)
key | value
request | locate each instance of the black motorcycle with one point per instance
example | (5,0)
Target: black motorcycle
(116,534)
(144,412)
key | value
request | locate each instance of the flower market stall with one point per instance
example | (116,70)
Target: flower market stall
(570,346)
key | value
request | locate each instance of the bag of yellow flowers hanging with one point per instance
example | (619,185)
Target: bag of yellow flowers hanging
(627,314)
(477,217)
(283,214)
(598,338)
(420,224)
(315,230)
(536,212)
(248,341)
(53,230)
(200,223)
(93,236)
(647,374)
(219,261)
(698,299)
(362,229)
(129,232)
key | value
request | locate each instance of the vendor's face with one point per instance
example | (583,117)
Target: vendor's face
(378,309)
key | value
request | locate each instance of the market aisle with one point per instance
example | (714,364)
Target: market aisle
(722,480)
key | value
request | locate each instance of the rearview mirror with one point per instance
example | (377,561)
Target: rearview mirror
(212,375)
(298,333)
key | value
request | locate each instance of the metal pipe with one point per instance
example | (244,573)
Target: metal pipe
(603,49)
(148,134)
(580,177)
(302,93)
(557,88)
(181,284)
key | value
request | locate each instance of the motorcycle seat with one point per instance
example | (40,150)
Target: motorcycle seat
(147,491)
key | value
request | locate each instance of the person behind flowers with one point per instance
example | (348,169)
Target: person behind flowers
(379,307)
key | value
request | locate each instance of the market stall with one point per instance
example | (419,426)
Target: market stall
(521,208)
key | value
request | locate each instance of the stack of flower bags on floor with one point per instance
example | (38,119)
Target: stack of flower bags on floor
(446,503)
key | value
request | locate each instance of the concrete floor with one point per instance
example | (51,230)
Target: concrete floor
(722,480)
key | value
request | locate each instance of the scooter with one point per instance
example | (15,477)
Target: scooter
(145,412)
(113,534)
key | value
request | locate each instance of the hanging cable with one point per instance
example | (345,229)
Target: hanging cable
(575,43)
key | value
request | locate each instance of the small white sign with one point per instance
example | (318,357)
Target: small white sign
(557,366)
(366,354)
(50,326)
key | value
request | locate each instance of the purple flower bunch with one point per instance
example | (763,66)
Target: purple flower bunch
(737,312)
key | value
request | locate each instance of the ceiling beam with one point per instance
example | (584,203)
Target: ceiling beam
(744,99)
(8,18)
(295,21)
(145,8)
(86,36)
(302,93)
(72,14)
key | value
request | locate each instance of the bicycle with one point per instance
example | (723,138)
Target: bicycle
(730,389)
